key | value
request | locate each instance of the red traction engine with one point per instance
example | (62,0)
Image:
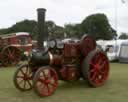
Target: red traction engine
(69,61)
(9,55)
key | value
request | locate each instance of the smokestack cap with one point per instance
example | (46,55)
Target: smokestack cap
(41,9)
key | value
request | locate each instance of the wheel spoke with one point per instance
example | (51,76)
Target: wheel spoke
(29,83)
(44,74)
(39,85)
(21,81)
(93,76)
(96,80)
(92,64)
(103,72)
(10,56)
(103,64)
(43,87)
(49,74)
(48,89)
(24,84)
(42,79)
(52,84)
(13,52)
(92,70)
(20,77)
(8,51)
(100,60)
(22,71)
(27,70)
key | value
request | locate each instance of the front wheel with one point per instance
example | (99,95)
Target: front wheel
(23,78)
(45,81)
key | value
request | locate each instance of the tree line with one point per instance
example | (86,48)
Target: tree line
(96,25)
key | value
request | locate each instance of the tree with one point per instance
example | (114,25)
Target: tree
(123,36)
(51,29)
(97,26)
(22,26)
(54,31)
(73,30)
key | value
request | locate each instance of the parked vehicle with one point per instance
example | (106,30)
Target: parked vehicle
(69,62)
(11,46)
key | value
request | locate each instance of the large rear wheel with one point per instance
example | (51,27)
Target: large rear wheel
(95,68)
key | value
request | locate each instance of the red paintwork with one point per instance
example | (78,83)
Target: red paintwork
(69,72)
(71,49)
(47,83)
(10,55)
(11,46)
(56,60)
(87,44)
(22,41)
(98,70)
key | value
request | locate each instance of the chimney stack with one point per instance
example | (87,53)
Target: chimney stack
(41,27)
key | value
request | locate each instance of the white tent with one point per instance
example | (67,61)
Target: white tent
(111,47)
(123,55)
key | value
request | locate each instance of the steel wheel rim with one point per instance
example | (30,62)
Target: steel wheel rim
(98,69)
(46,82)
(23,78)
(11,56)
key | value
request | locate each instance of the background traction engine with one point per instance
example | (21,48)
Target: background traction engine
(69,62)
(9,55)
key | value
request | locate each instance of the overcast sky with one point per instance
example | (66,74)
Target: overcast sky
(64,11)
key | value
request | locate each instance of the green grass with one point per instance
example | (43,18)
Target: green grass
(115,90)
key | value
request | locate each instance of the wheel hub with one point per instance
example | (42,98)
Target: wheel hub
(26,77)
(47,81)
(97,67)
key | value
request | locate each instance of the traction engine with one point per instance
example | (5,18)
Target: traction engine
(68,61)
(9,55)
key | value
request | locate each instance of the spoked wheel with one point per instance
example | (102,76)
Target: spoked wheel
(10,56)
(45,81)
(95,68)
(23,78)
(87,45)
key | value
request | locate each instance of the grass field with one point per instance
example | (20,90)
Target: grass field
(115,90)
